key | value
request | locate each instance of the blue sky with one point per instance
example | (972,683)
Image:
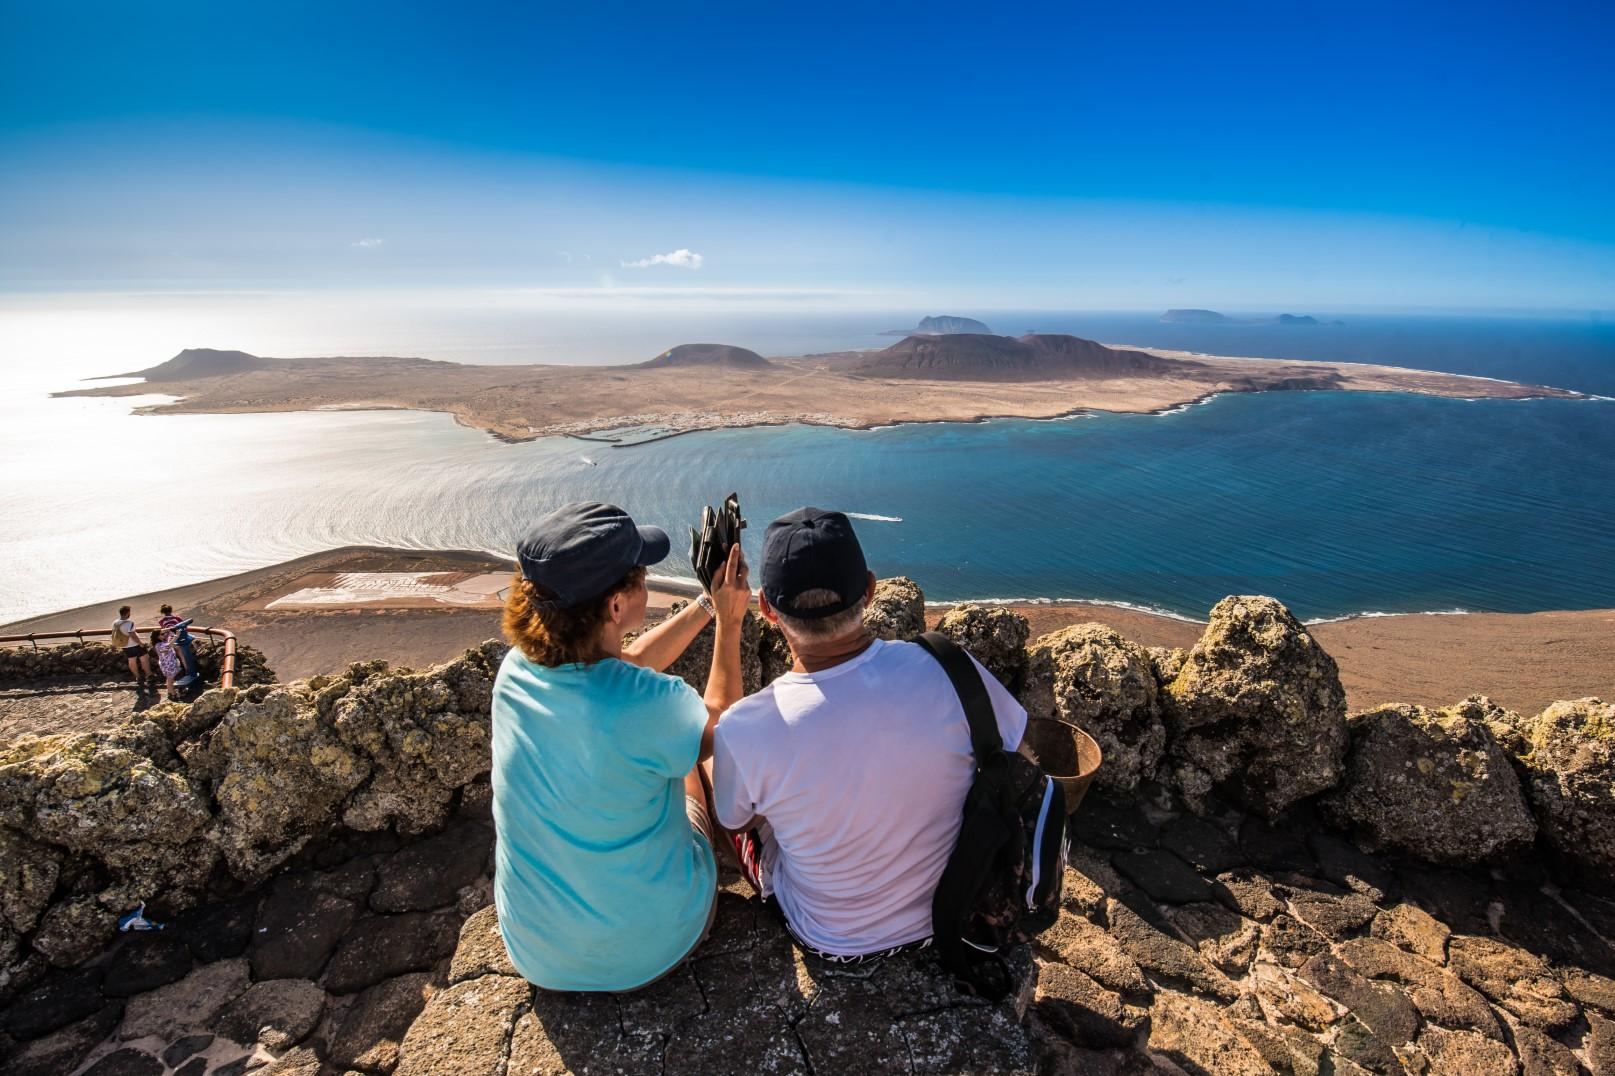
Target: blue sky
(1091,156)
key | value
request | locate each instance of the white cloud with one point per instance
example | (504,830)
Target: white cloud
(564,255)
(682,258)
(367,244)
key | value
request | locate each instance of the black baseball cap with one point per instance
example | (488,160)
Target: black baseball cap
(812,549)
(580,551)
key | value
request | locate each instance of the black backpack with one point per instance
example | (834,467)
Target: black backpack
(1003,882)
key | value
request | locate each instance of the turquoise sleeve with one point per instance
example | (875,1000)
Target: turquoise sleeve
(684,718)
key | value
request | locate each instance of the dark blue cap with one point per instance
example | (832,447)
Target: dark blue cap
(580,551)
(812,549)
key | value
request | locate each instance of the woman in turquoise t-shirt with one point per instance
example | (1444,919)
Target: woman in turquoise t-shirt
(605,874)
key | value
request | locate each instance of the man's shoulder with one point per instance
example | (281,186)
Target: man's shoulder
(901,663)
(760,706)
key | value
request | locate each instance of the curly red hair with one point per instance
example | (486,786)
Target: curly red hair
(551,636)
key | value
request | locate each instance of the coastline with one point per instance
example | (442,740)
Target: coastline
(523,403)
(1522,660)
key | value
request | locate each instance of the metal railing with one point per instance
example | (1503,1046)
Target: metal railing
(227,666)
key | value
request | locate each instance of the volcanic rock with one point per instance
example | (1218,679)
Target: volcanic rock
(373,1026)
(1092,951)
(278,775)
(192,1004)
(426,735)
(1089,676)
(1437,993)
(278,1013)
(994,636)
(464,1028)
(384,946)
(695,664)
(429,873)
(120,798)
(897,611)
(144,963)
(1571,782)
(1415,930)
(1517,980)
(28,873)
(297,929)
(1257,708)
(1197,1037)
(65,1049)
(481,949)
(1432,784)
(59,1000)
(1087,1012)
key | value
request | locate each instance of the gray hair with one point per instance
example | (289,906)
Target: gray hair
(823,628)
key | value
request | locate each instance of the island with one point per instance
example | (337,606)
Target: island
(1195,317)
(956,377)
(1212,317)
(941,325)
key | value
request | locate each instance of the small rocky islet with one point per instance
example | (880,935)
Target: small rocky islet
(1260,882)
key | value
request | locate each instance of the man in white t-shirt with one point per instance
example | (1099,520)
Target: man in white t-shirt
(843,782)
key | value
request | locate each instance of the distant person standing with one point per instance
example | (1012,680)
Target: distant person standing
(125,638)
(162,642)
(182,639)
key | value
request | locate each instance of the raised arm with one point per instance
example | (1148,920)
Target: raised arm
(660,646)
(731,594)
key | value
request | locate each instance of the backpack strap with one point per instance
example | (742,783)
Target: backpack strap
(985,739)
(984,837)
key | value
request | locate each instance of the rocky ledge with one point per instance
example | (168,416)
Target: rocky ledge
(1260,883)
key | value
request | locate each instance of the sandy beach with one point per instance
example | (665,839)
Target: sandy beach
(1522,660)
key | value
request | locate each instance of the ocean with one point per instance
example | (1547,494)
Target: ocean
(1339,504)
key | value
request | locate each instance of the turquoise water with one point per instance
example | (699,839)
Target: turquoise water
(1337,503)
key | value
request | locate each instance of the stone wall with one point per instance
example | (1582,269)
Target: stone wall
(1235,756)
(26,662)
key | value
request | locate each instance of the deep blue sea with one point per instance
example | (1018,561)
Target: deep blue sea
(1336,503)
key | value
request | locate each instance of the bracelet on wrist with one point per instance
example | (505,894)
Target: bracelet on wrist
(705,602)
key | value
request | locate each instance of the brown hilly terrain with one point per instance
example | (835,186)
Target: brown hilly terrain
(960,377)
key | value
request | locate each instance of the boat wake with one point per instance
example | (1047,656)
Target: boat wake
(874,518)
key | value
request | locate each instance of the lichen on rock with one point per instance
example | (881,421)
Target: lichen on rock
(28,873)
(897,610)
(1256,711)
(120,800)
(1570,780)
(1089,676)
(1430,783)
(994,636)
(278,775)
(422,745)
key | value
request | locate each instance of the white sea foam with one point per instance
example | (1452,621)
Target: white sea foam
(874,518)
(1153,610)
(1182,407)
(1380,613)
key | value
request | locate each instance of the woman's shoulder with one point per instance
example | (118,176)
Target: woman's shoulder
(638,679)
